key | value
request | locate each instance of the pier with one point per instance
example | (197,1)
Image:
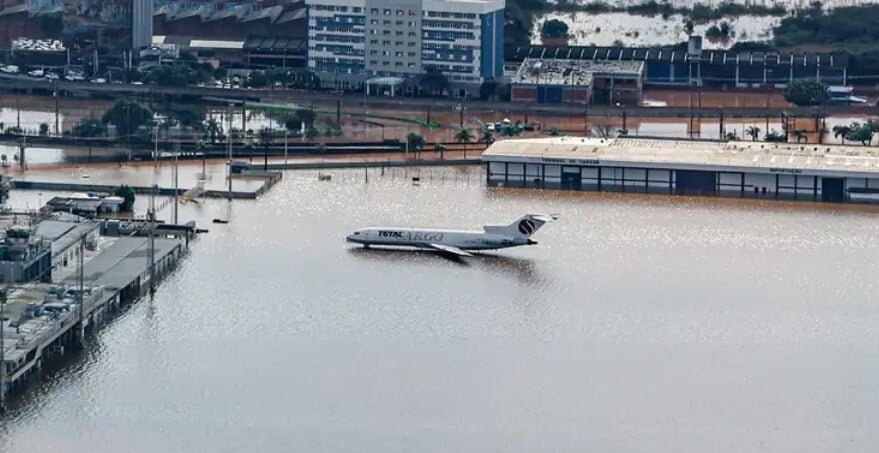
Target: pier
(269,179)
(43,322)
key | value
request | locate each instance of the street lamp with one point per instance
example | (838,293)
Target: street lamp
(266,137)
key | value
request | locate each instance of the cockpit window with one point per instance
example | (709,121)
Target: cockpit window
(356,233)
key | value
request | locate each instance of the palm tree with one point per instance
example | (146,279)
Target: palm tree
(213,130)
(753,132)
(464,137)
(841,131)
(554,131)
(487,137)
(800,135)
(731,136)
(440,148)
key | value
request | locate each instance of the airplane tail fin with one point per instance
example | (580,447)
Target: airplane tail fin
(524,227)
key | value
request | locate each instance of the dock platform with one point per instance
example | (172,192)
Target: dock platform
(44,321)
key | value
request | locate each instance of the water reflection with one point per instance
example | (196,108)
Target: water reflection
(523,270)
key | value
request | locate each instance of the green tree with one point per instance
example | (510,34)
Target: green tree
(441,149)
(433,82)
(554,28)
(306,116)
(44,129)
(88,127)
(213,130)
(257,79)
(127,115)
(863,133)
(773,136)
(841,132)
(487,137)
(176,74)
(753,132)
(127,194)
(415,141)
(464,137)
(185,115)
(805,92)
(554,131)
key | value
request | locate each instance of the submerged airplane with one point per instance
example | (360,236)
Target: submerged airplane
(455,242)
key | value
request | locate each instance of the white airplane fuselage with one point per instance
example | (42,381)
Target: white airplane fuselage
(425,238)
(455,242)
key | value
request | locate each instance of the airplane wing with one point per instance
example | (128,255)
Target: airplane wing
(449,249)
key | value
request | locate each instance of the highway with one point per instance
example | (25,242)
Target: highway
(306,98)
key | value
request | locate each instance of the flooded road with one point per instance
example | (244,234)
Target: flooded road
(694,324)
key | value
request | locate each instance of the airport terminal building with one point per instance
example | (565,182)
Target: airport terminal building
(687,167)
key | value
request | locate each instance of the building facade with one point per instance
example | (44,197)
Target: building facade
(141,24)
(786,171)
(578,82)
(352,41)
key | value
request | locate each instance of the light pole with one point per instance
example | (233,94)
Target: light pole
(2,354)
(156,146)
(176,153)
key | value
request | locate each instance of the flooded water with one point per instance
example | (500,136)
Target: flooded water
(632,30)
(637,322)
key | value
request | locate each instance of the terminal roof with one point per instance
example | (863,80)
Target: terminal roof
(647,152)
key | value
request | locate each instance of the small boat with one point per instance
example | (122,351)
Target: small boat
(220,221)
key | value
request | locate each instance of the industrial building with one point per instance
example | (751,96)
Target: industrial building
(578,81)
(679,66)
(24,256)
(698,167)
(353,41)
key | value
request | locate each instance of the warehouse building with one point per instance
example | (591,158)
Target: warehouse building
(679,66)
(578,81)
(689,167)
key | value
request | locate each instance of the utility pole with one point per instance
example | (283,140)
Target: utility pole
(152,226)
(2,354)
(156,147)
(81,279)
(18,104)
(57,128)
(229,145)
(176,153)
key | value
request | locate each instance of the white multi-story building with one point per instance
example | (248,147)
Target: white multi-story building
(352,41)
